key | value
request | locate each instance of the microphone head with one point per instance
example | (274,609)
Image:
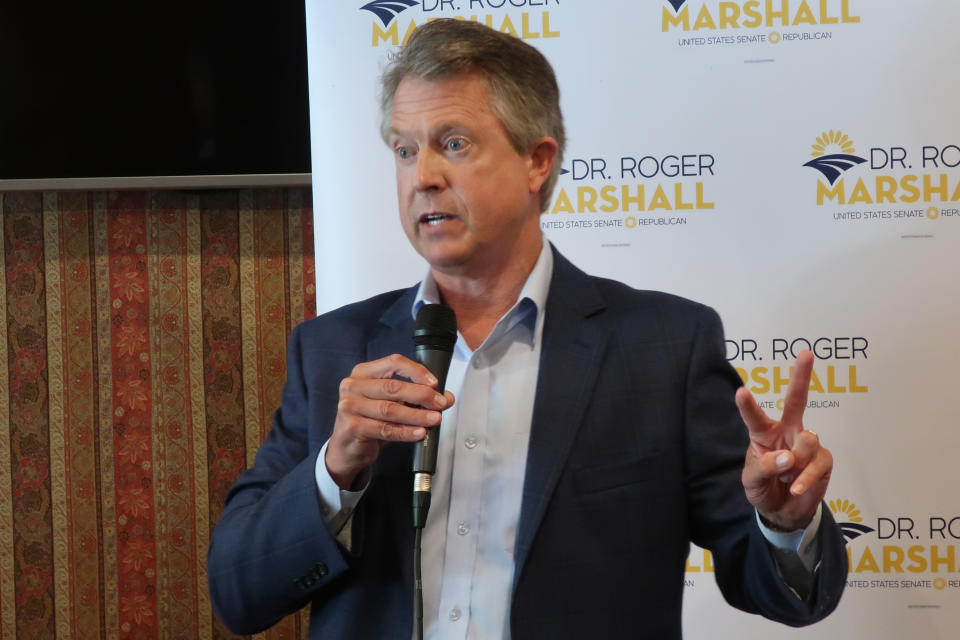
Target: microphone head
(436,327)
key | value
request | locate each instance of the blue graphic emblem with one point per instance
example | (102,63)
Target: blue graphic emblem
(677,4)
(387,10)
(833,165)
(853,530)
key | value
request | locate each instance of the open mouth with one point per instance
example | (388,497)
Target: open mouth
(434,219)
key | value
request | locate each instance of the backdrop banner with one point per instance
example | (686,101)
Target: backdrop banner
(792,163)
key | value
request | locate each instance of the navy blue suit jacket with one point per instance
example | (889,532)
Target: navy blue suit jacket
(636,449)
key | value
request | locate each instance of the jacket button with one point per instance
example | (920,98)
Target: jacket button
(320,570)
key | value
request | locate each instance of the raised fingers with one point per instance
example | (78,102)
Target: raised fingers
(758,423)
(797,390)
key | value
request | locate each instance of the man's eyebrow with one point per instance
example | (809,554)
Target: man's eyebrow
(393,132)
(435,131)
(449,127)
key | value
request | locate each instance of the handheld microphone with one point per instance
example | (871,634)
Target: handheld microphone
(434,337)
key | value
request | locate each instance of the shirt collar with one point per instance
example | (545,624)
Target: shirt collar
(530,303)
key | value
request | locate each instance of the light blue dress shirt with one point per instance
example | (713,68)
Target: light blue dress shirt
(472,526)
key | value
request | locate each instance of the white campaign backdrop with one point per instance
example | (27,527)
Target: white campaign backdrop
(870,270)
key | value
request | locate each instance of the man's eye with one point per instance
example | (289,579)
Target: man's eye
(455,144)
(403,152)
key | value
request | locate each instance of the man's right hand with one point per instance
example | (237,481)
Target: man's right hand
(376,408)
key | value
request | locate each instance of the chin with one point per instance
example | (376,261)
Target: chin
(445,261)
(445,264)
(444,255)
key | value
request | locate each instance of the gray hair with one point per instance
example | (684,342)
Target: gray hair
(523,87)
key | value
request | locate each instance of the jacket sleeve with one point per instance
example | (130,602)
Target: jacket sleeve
(270,553)
(721,519)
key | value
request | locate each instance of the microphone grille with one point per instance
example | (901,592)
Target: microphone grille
(436,327)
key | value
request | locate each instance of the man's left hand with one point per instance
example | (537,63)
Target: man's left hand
(786,471)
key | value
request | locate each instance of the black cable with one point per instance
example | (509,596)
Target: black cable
(417,587)
(421,505)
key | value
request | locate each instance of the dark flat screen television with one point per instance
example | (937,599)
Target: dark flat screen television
(172,90)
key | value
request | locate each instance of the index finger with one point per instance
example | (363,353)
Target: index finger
(395,365)
(758,423)
(798,388)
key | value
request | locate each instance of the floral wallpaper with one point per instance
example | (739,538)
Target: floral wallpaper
(142,357)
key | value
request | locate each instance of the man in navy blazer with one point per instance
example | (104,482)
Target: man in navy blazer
(635,446)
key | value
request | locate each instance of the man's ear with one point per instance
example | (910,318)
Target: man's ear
(541,162)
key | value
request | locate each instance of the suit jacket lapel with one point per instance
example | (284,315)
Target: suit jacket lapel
(573,343)
(395,335)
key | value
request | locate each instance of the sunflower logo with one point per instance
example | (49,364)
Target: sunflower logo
(832,141)
(846,508)
(833,154)
(848,518)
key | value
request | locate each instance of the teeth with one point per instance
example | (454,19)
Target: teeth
(435,219)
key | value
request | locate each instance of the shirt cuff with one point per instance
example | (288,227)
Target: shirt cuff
(802,542)
(336,504)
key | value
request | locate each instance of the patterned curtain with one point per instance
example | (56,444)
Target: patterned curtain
(142,357)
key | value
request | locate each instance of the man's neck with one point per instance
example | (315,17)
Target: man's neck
(481,300)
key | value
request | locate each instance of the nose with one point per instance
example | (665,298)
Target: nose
(429,174)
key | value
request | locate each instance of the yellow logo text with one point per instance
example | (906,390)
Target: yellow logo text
(754,13)
(909,188)
(530,28)
(774,379)
(636,197)
(916,558)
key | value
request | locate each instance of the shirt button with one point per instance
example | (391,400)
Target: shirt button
(463,528)
(470,443)
(477,362)
(454,614)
